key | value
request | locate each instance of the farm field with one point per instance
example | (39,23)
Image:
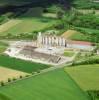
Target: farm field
(29,22)
(88,30)
(9,24)
(79,36)
(86,76)
(86,4)
(74,35)
(74,74)
(55,85)
(69,53)
(21,65)
(29,25)
(69,33)
(85,11)
(3,47)
(86,35)
(10,74)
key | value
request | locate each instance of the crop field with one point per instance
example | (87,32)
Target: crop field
(3,47)
(10,74)
(69,53)
(31,21)
(21,65)
(76,35)
(79,36)
(86,11)
(86,76)
(8,25)
(30,25)
(87,34)
(55,85)
(69,33)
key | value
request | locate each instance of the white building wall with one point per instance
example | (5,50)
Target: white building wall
(51,40)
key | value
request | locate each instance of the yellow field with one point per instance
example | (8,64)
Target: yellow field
(6,73)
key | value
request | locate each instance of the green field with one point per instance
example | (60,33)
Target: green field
(85,34)
(79,36)
(55,85)
(86,76)
(30,25)
(28,22)
(21,65)
(85,4)
(3,47)
(69,53)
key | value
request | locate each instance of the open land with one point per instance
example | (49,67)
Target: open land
(69,33)
(55,85)
(60,84)
(9,24)
(6,73)
(21,65)
(28,22)
(86,76)
(3,47)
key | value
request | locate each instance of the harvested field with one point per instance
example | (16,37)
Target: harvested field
(6,73)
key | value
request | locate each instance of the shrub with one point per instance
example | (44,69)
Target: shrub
(21,76)
(2,83)
(33,73)
(60,14)
(93,94)
(14,79)
(27,75)
(88,61)
(45,10)
(59,26)
(9,80)
(38,71)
